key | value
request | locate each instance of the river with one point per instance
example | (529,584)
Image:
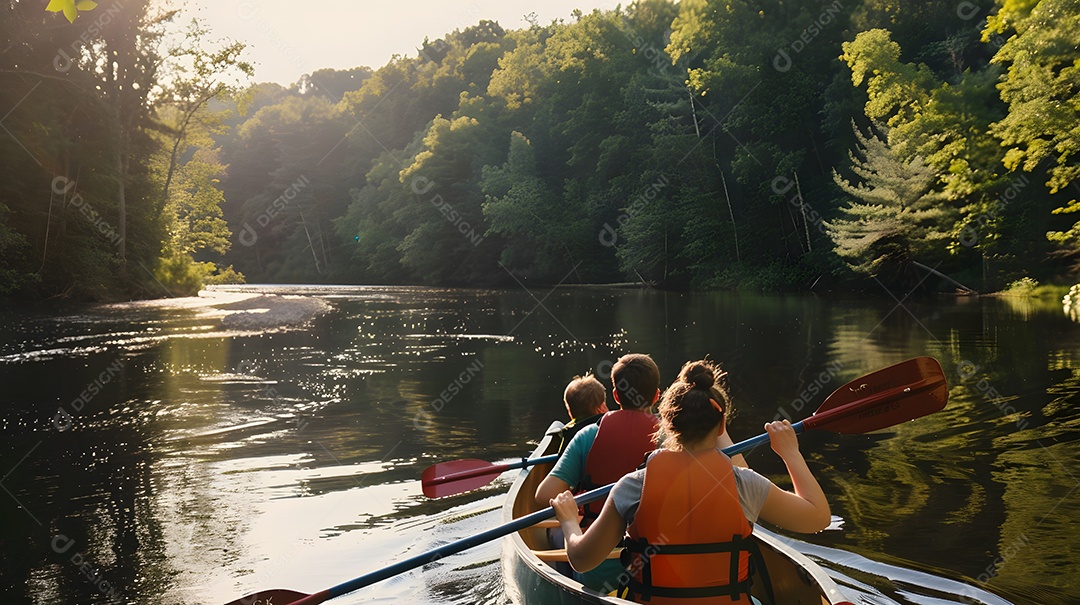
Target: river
(158,453)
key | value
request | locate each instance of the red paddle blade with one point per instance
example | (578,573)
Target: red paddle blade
(270,597)
(905,391)
(443,479)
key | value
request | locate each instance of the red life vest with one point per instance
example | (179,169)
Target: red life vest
(623,440)
(689,541)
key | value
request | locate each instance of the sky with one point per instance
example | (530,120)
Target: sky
(289,38)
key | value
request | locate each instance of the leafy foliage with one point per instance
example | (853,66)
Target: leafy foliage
(1042,88)
(690,145)
(193,211)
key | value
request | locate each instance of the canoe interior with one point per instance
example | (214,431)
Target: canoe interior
(795,579)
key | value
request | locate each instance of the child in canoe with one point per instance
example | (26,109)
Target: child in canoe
(586,401)
(602,453)
(686,517)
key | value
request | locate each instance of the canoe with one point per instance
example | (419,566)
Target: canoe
(530,577)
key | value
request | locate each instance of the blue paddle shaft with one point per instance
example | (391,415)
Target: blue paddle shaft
(520,523)
(524,462)
(753,442)
(435,554)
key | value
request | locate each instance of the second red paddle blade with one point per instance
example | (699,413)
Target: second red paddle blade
(435,486)
(898,393)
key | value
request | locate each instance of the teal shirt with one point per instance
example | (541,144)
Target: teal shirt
(571,469)
(571,465)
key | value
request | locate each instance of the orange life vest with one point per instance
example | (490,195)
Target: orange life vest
(623,440)
(689,541)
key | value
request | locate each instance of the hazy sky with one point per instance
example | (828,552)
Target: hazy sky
(288,38)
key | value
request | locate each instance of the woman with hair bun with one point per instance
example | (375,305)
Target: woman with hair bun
(687,516)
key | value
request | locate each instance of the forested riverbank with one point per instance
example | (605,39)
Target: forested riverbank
(698,145)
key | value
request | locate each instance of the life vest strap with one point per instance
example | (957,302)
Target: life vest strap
(667,592)
(736,546)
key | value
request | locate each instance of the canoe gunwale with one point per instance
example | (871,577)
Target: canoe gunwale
(516,551)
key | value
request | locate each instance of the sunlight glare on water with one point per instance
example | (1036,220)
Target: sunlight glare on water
(210,463)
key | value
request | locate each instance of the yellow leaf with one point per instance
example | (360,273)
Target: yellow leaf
(1068,208)
(70,8)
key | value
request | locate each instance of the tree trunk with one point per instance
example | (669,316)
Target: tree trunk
(311,244)
(112,74)
(665,254)
(734,227)
(121,202)
(693,112)
(802,206)
(322,244)
(180,134)
(943,276)
(795,226)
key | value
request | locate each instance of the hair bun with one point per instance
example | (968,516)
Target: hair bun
(700,376)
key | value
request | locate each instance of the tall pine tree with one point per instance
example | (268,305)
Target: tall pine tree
(894,215)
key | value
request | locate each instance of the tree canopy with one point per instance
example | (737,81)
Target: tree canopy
(703,144)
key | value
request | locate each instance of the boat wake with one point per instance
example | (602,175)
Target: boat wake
(877,583)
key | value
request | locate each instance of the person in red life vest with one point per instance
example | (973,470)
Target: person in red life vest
(600,454)
(686,517)
(586,401)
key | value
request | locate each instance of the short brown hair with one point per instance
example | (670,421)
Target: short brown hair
(636,380)
(584,396)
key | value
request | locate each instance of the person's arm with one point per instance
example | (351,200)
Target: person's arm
(569,469)
(724,440)
(806,510)
(589,549)
(550,487)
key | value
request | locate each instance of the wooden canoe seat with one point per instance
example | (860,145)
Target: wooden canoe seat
(559,555)
(550,523)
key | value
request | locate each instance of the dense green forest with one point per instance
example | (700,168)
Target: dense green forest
(763,145)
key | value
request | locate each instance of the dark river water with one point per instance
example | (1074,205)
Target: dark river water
(154,454)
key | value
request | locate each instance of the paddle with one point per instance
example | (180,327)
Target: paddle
(460,476)
(905,391)
(884,398)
